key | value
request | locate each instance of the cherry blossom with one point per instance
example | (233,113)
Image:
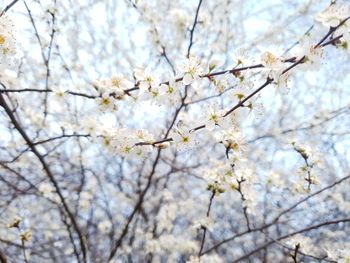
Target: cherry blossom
(192,69)
(334,14)
(170,93)
(147,80)
(106,103)
(184,138)
(7,42)
(213,116)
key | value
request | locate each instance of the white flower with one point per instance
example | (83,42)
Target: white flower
(244,174)
(89,125)
(241,58)
(305,243)
(221,82)
(273,64)
(192,68)
(118,84)
(146,79)
(232,139)
(153,94)
(212,117)
(125,147)
(107,142)
(144,135)
(215,63)
(281,81)
(123,141)
(241,93)
(256,108)
(170,93)
(206,222)
(60,92)
(220,177)
(334,14)
(102,86)
(184,139)
(305,150)
(271,61)
(232,119)
(313,56)
(106,102)
(7,42)
(114,86)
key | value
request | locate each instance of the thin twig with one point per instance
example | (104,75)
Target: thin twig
(7,8)
(204,227)
(193,28)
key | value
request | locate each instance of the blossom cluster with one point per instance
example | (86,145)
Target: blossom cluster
(24,236)
(338,13)
(152,89)
(307,171)
(110,90)
(123,141)
(333,15)
(7,42)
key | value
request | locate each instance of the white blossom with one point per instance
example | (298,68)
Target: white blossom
(7,43)
(192,69)
(170,93)
(232,139)
(60,92)
(106,102)
(305,243)
(313,55)
(213,116)
(147,80)
(334,14)
(271,61)
(184,139)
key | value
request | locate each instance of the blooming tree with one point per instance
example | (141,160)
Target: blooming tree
(161,131)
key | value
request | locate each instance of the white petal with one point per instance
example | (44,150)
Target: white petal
(187,79)
(210,125)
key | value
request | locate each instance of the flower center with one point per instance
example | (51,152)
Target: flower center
(2,39)
(214,117)
(185,139)
(105,101)
(170,90)
(116,82)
